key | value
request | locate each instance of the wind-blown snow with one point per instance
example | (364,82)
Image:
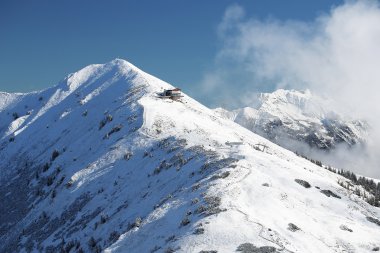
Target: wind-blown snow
(138,173)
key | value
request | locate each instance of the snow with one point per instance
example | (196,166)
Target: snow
(300,121)
(177,153)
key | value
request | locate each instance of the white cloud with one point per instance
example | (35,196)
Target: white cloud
(336,55)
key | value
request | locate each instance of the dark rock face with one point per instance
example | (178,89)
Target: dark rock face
(325,136)
(250,248)
(199,231)
(303,183)
(272,128)
(293,227)
(340,132)
(315,141)
(345,228)
(373,220)
(329,193)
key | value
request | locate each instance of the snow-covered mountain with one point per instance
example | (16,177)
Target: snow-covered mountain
(99,163)
(298,121)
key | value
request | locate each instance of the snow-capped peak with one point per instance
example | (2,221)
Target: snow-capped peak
(113,69)
(105,164)
(288,116)
(294,104)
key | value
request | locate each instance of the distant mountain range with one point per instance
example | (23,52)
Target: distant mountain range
(299,121)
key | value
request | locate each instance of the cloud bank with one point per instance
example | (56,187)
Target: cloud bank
(337,55)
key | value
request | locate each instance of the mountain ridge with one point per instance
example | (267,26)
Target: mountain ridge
(104,163)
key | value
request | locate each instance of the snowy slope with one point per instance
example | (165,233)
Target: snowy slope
(100,163)
(299,120)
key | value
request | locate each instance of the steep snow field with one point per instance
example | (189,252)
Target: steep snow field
(101,163)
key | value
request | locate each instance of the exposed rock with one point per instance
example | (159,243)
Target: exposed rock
(329,193)
(373,220)
(221,175)
(303,183)
(293,227)
(185,221)
(344,227)
(199,231)
(250,248)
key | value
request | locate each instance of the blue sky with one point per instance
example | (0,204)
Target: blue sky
(42,41)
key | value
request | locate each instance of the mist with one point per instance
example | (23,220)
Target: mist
(337,55)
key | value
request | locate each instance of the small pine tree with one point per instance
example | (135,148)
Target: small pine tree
(54,155)
(49,181)
(92,243)
(45,167)
(15,115)
(53,194)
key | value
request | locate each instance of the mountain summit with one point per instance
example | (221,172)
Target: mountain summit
(101,163)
